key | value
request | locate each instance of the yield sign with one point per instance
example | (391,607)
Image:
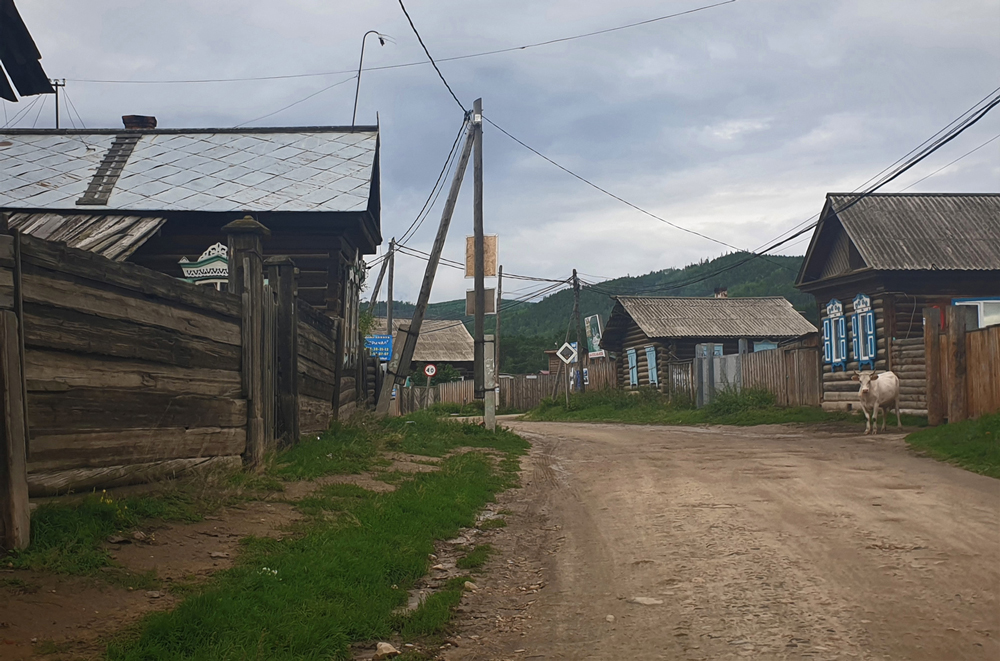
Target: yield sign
(567,353)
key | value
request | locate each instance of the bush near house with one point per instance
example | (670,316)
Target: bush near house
(971,444)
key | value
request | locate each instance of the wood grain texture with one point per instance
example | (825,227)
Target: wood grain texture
(15,516)
(132,446)
(315,415)
(54,483)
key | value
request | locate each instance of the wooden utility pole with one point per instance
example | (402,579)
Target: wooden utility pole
(388,294)
(955,381)
(932,363)
(402,353)
(378,282)
(479,260)
(582,350)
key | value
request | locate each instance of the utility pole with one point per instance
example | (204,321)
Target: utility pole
(388,299)
(496,328)
(56,84)
(378,284)
(402,353)
(582,350)
(479,261)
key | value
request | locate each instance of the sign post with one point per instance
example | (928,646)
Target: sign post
(430,370)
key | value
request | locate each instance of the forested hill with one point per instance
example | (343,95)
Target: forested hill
(529,328)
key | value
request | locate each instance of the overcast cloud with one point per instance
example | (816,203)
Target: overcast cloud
(734,121)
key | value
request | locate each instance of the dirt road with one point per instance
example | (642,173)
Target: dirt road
(768,542)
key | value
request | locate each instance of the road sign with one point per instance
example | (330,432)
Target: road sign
(430,370)
(381,346)
(567,353)
(489,256)
(470,301)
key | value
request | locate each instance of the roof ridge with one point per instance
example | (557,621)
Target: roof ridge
(917,194)
(366,128)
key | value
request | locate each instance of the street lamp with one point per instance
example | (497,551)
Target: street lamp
(381,41)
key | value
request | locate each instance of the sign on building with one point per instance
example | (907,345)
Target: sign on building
(212,268)
(491,301)
(380,345)
(593,328)
(489,256)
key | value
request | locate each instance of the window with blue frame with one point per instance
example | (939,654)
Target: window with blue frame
(651,364)
(835,336)
(633,368)
(863,339)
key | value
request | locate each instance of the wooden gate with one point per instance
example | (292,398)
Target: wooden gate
(962,367)
(793,375)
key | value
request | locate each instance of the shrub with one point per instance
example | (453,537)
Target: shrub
(731,401)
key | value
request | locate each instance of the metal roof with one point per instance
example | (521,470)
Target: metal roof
(114,237)
(440,341)
(922,231)
(764,317)
(226,170)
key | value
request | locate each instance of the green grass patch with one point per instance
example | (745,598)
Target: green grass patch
(475,407)
(971,444)
(430,435)
(476,558)
(492,524)
(647,406)
(343,449)
(340,579)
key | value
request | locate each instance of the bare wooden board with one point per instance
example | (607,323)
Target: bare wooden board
(132,446)
(54,483)
(315,415)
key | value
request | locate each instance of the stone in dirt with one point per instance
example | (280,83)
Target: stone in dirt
(646,601)
(118,539)
(218,554)
(139,536)
(610,618)
(153,594)
(469,585)
(385,651)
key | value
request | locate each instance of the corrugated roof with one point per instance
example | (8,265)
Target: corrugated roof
(114,237)
(771,316)
(923,231)
(441,340)
(308,169)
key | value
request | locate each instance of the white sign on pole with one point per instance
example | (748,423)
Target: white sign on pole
(567,353)
(430,370)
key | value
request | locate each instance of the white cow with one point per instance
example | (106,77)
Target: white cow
(877,391)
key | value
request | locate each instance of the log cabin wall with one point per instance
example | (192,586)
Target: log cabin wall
(317,363)
(131,375)
(840,391)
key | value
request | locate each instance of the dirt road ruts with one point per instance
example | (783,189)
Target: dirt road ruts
(770,542)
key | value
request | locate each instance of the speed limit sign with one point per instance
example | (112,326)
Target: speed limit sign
(430,370)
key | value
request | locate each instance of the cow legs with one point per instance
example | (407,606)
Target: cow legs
(899,425)
(868,420)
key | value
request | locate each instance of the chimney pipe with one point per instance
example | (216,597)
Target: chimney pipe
(139,121)
(721,292)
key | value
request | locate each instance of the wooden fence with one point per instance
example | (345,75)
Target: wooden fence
(793,375)
(962,367)
(113,374)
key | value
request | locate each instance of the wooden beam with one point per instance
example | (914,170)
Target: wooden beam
(955,379)
(281,273)
(15,517)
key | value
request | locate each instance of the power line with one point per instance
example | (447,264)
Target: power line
(972,151)
(73,106)
(428,53)
(437,188)
(404,64)
(295,103)
(23,112)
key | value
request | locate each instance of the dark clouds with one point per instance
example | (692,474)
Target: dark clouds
(733,121)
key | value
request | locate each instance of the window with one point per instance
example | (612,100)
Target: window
(633,370)
(989,309)
(764,345)
(863,339)
(651,364)
(835,336)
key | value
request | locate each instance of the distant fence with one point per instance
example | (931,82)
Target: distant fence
(962,367)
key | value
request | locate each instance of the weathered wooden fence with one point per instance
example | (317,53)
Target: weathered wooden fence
(962,367)
(112,374)
(793,375)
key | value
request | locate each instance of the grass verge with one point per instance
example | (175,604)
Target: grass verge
(971,444)
(475,558)
(343,576)
(646,406)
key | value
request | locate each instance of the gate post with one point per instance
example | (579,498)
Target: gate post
(957,406)
(246,279)
(932,366)
(15,516)
(281,274)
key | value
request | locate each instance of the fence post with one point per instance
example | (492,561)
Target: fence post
(246,279)
(932,366)
(957,409)
(281,274)
(15,516)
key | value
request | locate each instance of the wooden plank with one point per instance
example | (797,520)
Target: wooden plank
(60,371)
(954,379)
(315,414)
(318,372)
(68,330)
(320,355)
(316,388)
(84,264)
(54,483)
(15,516)
(57,292)
(130,446)
(102,409)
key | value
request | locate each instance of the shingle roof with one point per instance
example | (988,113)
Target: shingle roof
(113,236)
(923,231)
(227,170)
(771,316)
(440,341)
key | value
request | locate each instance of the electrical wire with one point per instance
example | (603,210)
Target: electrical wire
(437,188)
(404,64)
(428,53)
(295,103)
(73,106)
(40,109)
(972,151)
(23,112)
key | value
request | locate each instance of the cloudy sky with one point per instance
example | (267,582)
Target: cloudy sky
(733,121)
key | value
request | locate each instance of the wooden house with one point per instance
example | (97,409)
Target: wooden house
(874,264)
(159,197)
(441,342)
(648,332)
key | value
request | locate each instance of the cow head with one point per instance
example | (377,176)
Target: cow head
(865,380)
